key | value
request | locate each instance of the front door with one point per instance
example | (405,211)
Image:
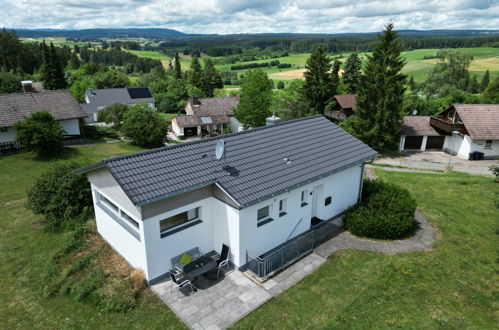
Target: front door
(315,200)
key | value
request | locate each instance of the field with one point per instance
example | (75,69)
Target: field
(452,286)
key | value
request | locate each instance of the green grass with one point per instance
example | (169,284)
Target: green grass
(168,116)
(452,286)
(25,251)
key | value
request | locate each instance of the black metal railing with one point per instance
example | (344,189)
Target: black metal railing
(264,266)
(8,147)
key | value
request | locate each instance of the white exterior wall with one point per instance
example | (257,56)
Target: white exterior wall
(479,145)
(461,146)
(8,136)
(118,237)
(176,129)
(71,126)
(235,125)
(343,187)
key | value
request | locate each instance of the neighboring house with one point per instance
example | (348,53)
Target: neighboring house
(476,128)
(207,115)
(343,107)
(16,106)
(271,184)
(98,99)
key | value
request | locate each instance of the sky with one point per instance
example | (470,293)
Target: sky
(259,16)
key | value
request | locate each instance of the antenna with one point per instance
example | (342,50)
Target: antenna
(219,149)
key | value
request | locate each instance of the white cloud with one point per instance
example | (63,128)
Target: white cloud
(238,16)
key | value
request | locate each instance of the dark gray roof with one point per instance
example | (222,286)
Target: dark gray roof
(253,168)
(16,106)
(213,106)
(104,97)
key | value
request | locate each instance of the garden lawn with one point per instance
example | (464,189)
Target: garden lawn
(25,251)
(452,286)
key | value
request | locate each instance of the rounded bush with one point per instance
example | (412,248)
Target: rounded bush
(386,211)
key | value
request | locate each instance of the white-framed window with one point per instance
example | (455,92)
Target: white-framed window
(121,217)
(129,219)
(488,144)
(304,198)
(109,204)
(282,207)
(263,216)
(179,221)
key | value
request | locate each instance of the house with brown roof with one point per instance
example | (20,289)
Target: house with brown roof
(207,115)
(17,106)
(343,107)
(463,129)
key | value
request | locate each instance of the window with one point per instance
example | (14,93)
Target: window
(178,220)
(4,129)
(129,219)
(108,203)
(262,216)
(282,207)
(488,144)
(304,198)
(327,201)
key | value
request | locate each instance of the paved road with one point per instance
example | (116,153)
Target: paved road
(437,160)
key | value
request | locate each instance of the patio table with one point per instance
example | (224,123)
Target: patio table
(200,266)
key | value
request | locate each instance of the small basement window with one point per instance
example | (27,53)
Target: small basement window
(262,216)
(282,207)
(488,144)
(179,221)
(304,198)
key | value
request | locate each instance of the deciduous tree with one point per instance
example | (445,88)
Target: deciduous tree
(144,126)
(113,114)
(254,106)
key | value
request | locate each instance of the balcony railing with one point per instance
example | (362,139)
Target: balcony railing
(264,266)
(8,147)
(336,115)
(444,125)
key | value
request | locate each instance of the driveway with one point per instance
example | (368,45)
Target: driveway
(437,160)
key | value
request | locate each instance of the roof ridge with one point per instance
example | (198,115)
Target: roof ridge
(176,146)
(46,91)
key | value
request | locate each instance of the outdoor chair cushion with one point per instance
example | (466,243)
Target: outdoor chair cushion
(185,259)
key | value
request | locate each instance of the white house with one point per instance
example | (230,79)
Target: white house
(207,115)
(475,127)
(16,106)
(271,185)
(98,99)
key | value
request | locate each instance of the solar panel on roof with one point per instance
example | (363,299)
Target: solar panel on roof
(206,120)
(139,93)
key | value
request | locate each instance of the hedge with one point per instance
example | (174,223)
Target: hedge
(385,212)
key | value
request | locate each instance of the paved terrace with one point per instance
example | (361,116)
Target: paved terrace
(219,304)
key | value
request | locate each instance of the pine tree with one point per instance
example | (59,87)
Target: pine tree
(378,117)
(318,85)
(412,84)
(52,72)
(485,81)
(177,68)
(335,77)
(74,62)
(473,85)
(211,78)
(196,73)
(255,103)
(352,73)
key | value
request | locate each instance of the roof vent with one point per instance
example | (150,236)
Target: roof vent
(272,120)
(287,160)
(27,86)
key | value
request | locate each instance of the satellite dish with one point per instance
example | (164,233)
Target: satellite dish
(220,149)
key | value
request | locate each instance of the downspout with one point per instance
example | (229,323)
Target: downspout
(361,184)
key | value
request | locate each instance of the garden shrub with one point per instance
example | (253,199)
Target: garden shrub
(98,133)
(62,197)
(386,211)
(144,127)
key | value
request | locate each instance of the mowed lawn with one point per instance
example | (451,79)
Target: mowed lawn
(452,286)
(25,251)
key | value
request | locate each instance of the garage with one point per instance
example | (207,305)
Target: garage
(435,142)
(413,142)
(190,131)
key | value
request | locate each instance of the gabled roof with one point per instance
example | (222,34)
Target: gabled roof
(187,121)
(213,106)
(104,97)
(345,101)
(16,106)
(418,126)
(258,164)
(480,120)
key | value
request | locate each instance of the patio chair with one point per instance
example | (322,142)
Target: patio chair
(179,281)
(224,259)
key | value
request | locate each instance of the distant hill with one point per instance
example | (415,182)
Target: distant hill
(151,33)
(157,33)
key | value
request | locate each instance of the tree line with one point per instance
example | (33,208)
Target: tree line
(131,63)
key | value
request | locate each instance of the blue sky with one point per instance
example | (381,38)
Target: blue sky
(259,16)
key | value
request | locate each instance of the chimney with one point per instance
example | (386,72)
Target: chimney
(27,86)
(195,100)
(272,120)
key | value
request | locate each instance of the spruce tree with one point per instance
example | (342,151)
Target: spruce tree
(335,77)
(378,117)
(211,78)
(485,81)
(52,72)
(74,61)
(177,68)
(196,73)
(318,82)
(351,73)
